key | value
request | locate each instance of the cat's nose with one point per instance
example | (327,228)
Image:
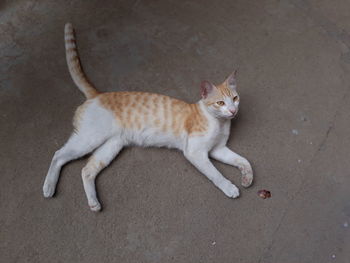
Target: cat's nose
(233,111)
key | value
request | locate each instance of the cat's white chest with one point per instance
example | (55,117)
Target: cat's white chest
(218,133)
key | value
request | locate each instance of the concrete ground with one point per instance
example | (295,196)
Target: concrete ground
(293,58)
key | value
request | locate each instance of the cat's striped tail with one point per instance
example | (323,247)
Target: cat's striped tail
(74,65)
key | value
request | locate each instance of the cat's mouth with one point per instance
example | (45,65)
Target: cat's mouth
(232,115)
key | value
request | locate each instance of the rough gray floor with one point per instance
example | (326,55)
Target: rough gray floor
(294,63)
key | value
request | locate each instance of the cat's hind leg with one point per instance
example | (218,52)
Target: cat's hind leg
(225,155)
(99,160)
(78,145)
(93,126)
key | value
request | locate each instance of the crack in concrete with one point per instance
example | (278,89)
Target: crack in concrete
(331,125)
(11,57)
(323,143)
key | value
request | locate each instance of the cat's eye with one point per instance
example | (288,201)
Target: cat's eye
(220,103)
(235,98)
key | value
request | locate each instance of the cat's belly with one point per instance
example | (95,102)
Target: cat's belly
(152,137)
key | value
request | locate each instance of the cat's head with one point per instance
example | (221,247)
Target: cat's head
(222,100)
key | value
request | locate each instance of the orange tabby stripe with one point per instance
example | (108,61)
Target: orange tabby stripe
(168,114)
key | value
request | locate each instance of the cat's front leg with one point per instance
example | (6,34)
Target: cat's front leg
(225,155)
(201,161)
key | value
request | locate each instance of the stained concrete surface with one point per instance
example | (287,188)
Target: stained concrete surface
(294,63)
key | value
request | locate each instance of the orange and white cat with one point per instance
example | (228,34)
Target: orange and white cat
(107,122)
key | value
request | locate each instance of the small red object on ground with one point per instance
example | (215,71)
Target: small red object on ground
(264,194)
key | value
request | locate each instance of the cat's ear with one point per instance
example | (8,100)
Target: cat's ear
(231,80)
(206,89)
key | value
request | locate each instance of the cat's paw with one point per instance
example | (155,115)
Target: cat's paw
(247,175)
(230,190)
(94,206)
(48,190)
(247,180)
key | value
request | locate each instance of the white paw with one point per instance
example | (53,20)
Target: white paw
(247,175)
(247,179)
(230,190)
(48,190)
(94,205)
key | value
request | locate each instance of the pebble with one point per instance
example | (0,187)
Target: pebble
(295,132)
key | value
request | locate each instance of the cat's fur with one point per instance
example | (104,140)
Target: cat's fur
(107,122)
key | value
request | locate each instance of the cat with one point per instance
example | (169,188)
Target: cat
(107,122)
